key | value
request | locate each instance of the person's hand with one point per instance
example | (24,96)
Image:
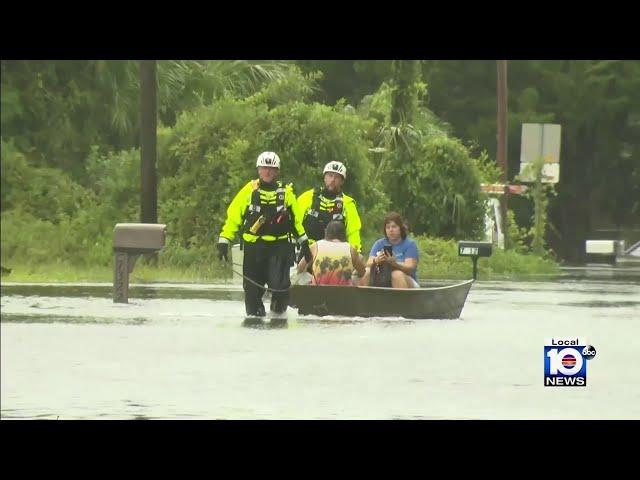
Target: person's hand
(306,251)
(380,258)
(391,260)
(223,251)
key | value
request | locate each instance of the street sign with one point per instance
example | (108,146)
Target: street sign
(540,140)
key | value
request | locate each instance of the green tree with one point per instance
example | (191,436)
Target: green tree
(598,107)
(55,111)
(347,79)
(428,175)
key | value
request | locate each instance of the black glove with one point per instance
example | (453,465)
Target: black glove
(223,251)
(306,251)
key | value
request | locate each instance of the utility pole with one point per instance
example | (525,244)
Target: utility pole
(148,137)
(502,139)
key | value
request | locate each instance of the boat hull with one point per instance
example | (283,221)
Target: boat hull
(444,302)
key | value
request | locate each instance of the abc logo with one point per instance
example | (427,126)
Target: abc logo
(589,352)
(567,361)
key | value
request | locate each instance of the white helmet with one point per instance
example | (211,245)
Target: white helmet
(336,167)
(268,159)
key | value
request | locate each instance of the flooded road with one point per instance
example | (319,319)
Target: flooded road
(182,351)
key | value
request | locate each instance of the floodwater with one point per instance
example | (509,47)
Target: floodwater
(183,352)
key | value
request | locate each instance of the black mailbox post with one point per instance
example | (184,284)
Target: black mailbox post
(474,250)
(131,240)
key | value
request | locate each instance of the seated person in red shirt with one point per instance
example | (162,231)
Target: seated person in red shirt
(333,258)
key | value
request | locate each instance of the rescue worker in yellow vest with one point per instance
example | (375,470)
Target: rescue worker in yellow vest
(265,212)
(322,205)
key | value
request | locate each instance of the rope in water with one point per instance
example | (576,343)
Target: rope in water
(250,280)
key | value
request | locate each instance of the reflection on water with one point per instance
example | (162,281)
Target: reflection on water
(44,318)
(260,323)
(105,290)
(601,303)
(69,352)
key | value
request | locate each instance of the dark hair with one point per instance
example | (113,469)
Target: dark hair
(396,218)
(335,229)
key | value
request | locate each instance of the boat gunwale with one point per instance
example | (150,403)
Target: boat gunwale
(420,289)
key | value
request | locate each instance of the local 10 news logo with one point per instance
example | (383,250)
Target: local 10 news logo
(565,362)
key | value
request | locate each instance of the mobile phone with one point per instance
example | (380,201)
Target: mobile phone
(388,249)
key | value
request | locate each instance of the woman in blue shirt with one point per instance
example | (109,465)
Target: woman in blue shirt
(404,257)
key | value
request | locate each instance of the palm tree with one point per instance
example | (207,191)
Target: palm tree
(181,84)
(188,83)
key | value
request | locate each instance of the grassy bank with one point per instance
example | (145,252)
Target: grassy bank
(438,260)
(142,273)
